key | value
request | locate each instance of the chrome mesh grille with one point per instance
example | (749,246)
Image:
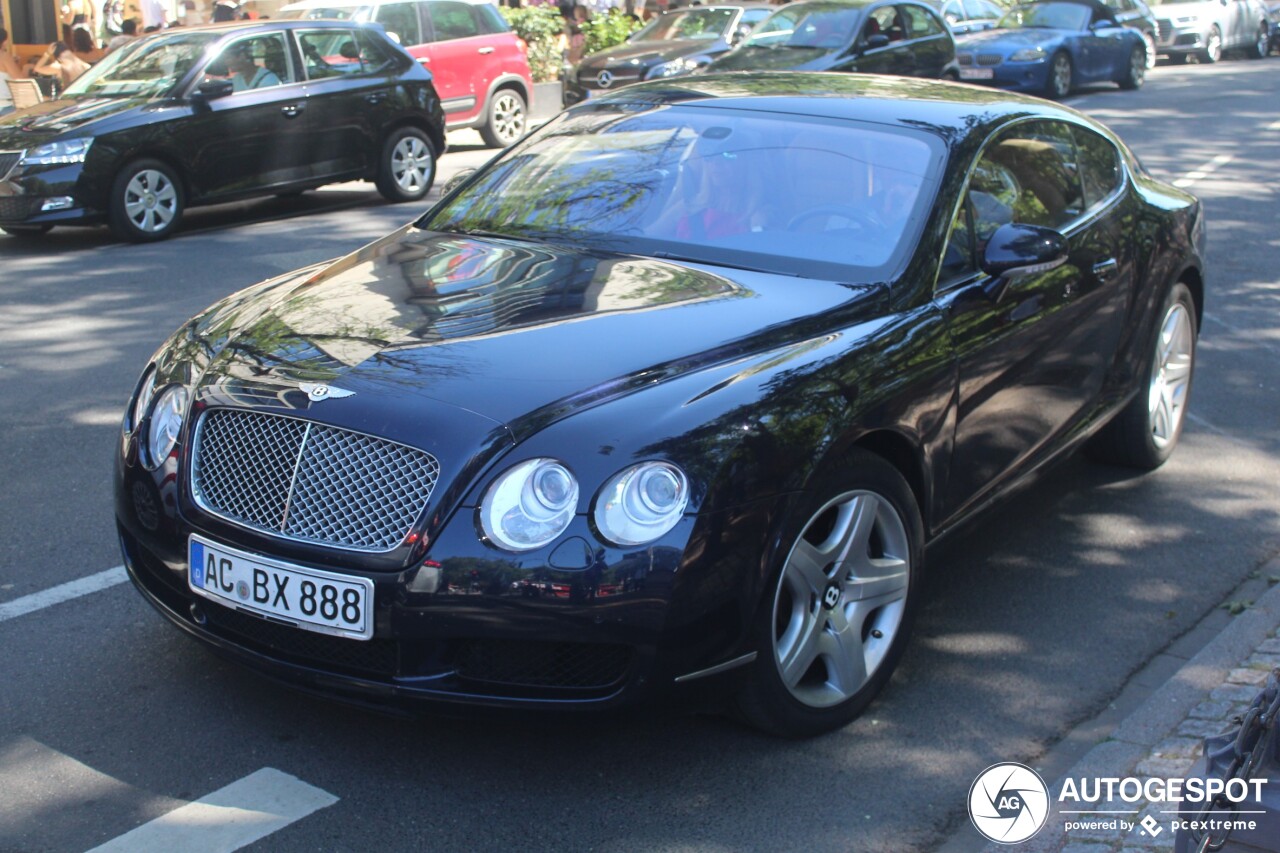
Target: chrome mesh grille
(307,481)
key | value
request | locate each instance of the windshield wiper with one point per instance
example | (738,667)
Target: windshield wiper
(675,256)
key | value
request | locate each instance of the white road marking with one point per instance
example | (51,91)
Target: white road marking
(62,592)
(1204,171)
(261,803)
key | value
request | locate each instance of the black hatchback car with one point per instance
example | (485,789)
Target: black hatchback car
(868,36)
(220,113)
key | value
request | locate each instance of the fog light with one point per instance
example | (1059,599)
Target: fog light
(60,202)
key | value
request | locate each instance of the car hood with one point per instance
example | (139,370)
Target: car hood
(69,117)
(519,333)
(645,54)
(1012,39)
(748,58)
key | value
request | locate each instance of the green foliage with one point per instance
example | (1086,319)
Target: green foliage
(605,31)
(542,29)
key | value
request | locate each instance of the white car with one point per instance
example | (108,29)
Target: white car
(1205,28)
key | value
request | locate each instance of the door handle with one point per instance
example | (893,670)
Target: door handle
(485,50)
(292,110)
(376,97)
(1103,270)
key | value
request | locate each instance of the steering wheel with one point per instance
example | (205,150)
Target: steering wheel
(865,220)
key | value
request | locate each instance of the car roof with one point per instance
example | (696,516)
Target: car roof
(936,106)
(270,24)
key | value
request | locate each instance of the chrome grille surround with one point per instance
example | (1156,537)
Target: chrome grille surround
(309,482)
(9,160)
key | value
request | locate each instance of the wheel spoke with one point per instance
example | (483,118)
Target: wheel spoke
(795,659)
(842,652)
(878,581)
(808,562)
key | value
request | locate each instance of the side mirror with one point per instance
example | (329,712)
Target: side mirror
(1017,249)
(456,181)
(211,90)
(739,33)
(876,42)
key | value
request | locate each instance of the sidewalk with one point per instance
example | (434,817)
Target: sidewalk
(1161,737)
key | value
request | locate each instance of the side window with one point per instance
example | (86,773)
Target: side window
(1027,174)
(879,22)
(1099,166)
(452,20)
(375,53)
(329,53)
(751,17)
(983,9)
(255,62)
(960,259)
(920,22)
(402,20)
(491,20)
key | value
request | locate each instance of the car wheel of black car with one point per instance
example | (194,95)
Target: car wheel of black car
(1149,42)
(1146,431)
(1059,83)
(1212,47)
(1137,70)
(507,116)
(408,166)
(1260,48)
(26,230)
(838,607)
(146,202)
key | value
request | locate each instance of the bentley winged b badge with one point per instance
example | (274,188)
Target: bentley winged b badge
(316,393)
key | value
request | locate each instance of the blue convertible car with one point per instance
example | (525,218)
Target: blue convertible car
(1051,47)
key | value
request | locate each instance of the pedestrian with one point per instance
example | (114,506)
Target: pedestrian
(78,13)
(61,63)
(112,19)
(154,16)
(128,32)
(9,70)
(84,45)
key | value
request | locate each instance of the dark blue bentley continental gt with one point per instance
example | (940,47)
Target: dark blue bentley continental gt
(668,399)
(1053,46)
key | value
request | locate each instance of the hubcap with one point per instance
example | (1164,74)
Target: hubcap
(1139,66)
(150,201)
(1214,48)
(508,118)
(1061,76)
(841,598)
(411,164)
(1171,375)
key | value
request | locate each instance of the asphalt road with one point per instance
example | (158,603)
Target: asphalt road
(1033,621)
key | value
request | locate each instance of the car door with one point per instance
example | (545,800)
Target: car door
(927,37)
(1029,349)
(350,83)
(254,137)
(879,48)
(1106,47)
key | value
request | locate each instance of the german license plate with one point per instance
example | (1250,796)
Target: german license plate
(310,599)
(977,73)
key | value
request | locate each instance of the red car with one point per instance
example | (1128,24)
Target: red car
(479,66)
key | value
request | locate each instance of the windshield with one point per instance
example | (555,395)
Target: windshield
(148,67)
(774,192)
(704,24)
(1057,16)
(823,28)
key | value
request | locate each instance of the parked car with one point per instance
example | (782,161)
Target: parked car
(1273,17)
(1137,15)
(673,43)
(667,400)
(162,125)
(1206,28)
(967,16)
(868,36)
(478,65)
(1052,47)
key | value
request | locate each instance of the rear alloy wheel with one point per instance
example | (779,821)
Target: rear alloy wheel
(837,611)
(1137,70)
(26,230)
(1146,431)
(1262,46)
(1150,42)
(508,116)
(408,166)
(146,202)
(1212,47)
(1058,85)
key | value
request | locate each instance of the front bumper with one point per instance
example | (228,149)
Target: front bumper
(1179,39)
(47,195)
(1029,77)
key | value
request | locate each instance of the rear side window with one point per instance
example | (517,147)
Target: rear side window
(920,22)
(491,20)
(401,20)
(329,53)
(1099,166)
(452,20)
(1028,174)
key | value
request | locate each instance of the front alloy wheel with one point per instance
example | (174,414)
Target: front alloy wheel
(408,166)
(1212,47)
(507,118)
(1136,73)
(146,202)
(1059,76)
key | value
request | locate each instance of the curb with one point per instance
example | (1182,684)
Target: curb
(1141,731)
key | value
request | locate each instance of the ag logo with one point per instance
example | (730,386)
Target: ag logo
(1008,803)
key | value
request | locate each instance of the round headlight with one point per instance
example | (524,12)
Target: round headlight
(529,505)
(146,390)
(166,422)
(641,503)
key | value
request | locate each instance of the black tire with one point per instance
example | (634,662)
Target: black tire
(147,202)
(507,119)
(1058,83)
(1136,73)
(1213,47)
(407,166)
(1260,48)
(842,649)
(1139,436)
(26,231)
